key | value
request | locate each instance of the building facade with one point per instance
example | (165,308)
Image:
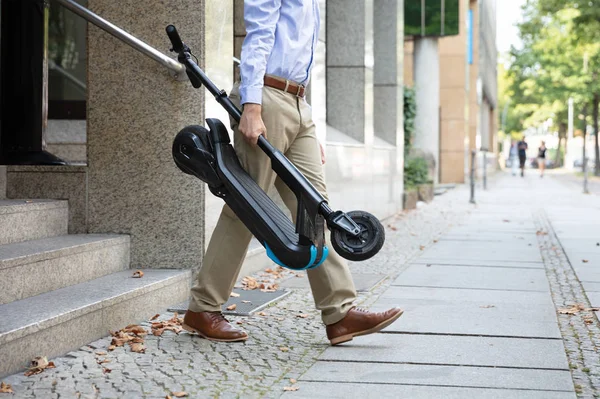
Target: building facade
(467,92)
(112,115)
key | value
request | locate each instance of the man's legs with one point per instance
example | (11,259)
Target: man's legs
(229,242)
(331,283)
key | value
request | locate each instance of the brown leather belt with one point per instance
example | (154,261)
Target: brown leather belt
(285,85)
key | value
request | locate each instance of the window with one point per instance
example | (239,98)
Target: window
(67,85)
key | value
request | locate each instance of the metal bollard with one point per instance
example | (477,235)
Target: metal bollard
(472,200)
(585,176)
(485,168)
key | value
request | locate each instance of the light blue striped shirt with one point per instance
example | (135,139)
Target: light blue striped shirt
(281,38)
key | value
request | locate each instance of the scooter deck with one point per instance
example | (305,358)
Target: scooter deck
(257,210)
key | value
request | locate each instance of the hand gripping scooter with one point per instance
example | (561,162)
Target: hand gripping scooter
(209,155)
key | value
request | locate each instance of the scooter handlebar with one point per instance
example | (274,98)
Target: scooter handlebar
(175,39)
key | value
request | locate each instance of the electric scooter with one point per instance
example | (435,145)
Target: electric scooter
(207,154)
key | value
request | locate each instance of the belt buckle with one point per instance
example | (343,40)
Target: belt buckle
(287,84)
(298,91)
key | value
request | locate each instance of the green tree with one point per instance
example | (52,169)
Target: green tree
(549,68)
(586,25)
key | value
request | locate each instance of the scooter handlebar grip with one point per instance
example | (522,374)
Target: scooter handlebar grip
(175,39)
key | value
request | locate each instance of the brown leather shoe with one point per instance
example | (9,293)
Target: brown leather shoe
(360,322)
(213,326)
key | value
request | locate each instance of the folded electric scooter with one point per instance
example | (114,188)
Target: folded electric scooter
(209,155)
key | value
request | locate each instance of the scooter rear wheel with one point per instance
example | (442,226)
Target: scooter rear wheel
(366,245)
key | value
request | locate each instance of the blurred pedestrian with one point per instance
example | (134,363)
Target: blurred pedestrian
(513,156)
(542,158)
(522,146)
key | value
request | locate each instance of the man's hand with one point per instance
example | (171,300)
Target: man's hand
(251,123)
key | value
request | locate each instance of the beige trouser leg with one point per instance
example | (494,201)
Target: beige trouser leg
(291,130)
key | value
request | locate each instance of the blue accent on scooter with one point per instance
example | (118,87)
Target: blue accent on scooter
(325,254)
(311,263)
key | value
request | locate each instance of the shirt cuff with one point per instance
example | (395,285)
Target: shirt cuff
(251,95)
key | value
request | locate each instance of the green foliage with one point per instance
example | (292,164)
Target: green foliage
(416,171)
(410,111)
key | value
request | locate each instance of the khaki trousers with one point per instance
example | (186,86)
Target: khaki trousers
(291,130)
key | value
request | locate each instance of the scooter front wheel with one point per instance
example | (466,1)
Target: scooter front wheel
(366,244)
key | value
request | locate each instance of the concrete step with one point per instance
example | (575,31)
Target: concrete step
(33,267)
(22,220)
(71,152)
(60,321)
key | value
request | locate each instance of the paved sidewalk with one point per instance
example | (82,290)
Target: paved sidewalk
(281,346)
(481,307)
(480,284)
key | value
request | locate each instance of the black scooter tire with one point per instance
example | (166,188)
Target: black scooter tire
(365,246)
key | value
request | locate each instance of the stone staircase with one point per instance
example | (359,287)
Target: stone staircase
(59,291)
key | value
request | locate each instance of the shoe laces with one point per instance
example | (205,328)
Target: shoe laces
(218,316)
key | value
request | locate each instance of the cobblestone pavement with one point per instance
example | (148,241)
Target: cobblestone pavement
(581,332)
(281,346)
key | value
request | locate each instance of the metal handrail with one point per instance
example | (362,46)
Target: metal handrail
(174,66)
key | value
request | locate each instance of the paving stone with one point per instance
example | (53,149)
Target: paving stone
(453,350)
(473,278)
(343,391)
(476,318)
(407,374)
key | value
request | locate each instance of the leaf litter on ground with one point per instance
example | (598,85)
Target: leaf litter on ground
(579,307)
(39,364)
(5,388)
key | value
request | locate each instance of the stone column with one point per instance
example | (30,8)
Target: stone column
(427,96)
(350,67)
(135,108)
(388,71)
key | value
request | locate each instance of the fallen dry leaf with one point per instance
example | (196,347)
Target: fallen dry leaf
(487,306)
(299,274)
(173,324)
(291,389)
(135,329)
(506,220)
(106,370)
(180,394)
(284,349)
(101,353)
(268,271)
(246,301)
(393,228)
(293,380)
(138,274)
(262,314)
(574,309)
(541,233)
(239,322)
(102,361)
(5,388)
(585,260)
(231,307)
(234,295)
(421,247)
(588,319)
(168,397)
(111,347)
(38,365)
(154,317)
(435,241)
(302,315)
(249,283)
(137,347)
